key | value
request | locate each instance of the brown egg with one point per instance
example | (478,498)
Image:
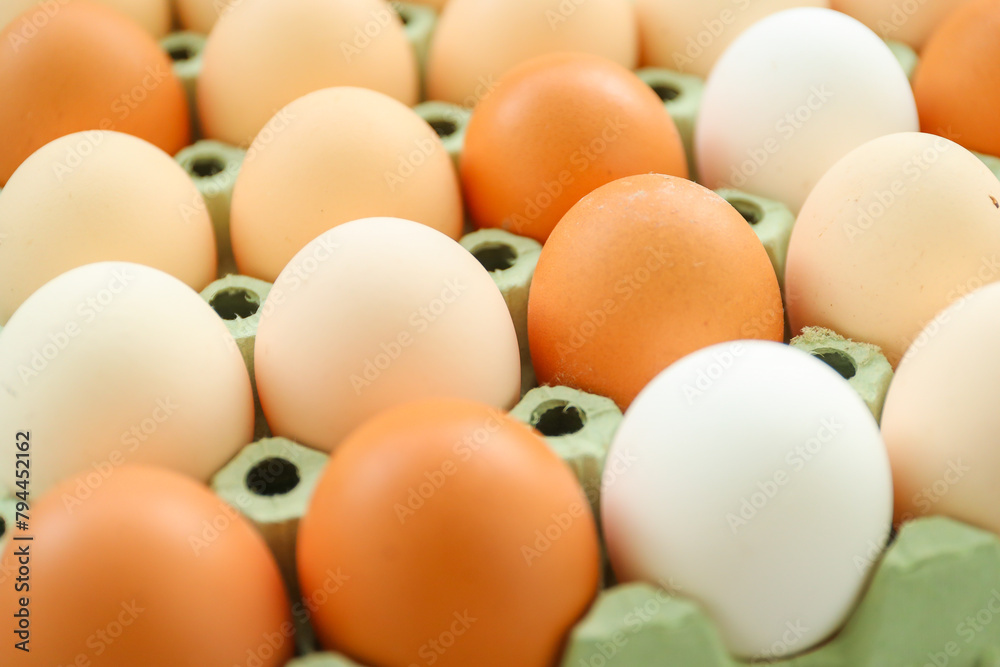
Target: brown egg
(556,128)
(477,41)
(87,67)
(262,55)
(330,157)
(462,539)
(957,84)
(640,273)
(150,569)
(153,15)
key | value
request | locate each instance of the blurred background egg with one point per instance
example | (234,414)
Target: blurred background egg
(557,127)
(957,84)
(893,233)
(639,273)
(95,196)
(449,517)
(146,567)
(117,362)
(477,42)
(757,484)
(262,55)
(153,15)
(908,22)
(792,95)
(374,313)
(87,67)
(200,15)
(689,36)
(940,420)
(333,156)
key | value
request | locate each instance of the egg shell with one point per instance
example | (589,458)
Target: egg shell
(263,55)
(957,84)
(639,273)
(449,517)
(134,575)
(792,95)
(201,15)
(373,313)
(690,36)
(87,68)
(115,362)
(909,22)
(940,420)
(100,196)
(893,233)
(153,15)
(333,156)
(557,127)
(478,41)
(745,450)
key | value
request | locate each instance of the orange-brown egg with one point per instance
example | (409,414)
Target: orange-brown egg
(143,567)
(555,128)
(460,537)
(84,67)
(638,274)
(957,84)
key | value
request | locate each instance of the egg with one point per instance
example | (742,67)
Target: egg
(893,233)
(940,420)
(153,15)
(557,127)
(477,42)
(262,55)
(94,196)
(145,567)
(957,84)
(792,95)
(374,313)
(466,541)
(750,477)
(909,22)
(116,362)
(333,156)
(200,15)
(84,67)
(639,273)
(689,36)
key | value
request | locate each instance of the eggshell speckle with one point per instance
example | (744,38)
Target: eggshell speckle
(792,95)
(115,362)
(132,574)
(374,313)
(449,517)
(262,55)
(96,196)
(639,273)
(893,233)
(752,478)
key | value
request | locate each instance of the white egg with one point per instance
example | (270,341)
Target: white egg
(750,477)
(792,95)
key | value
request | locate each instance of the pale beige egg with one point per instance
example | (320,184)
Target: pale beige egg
(908,22)
(97,196)
(153,15)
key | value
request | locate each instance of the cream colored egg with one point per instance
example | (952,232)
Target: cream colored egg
(374,313)
(116,362)
(201,15)
(262,55)
(689,36)
(477,41)
(893,233)
(792,95)
(940,420)
(153,15)
(909,21)
(97,196)
(332,156)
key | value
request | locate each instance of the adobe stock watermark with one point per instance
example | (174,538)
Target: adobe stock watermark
(562,13)
(418,322)
(790,639)
(559,525)
(967,630)
(795,460)
(900,15)
(297,273)
(408,163)
(722,361)
(785,128)
(31,23)
(432,650)
(712,30)
(366,33)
